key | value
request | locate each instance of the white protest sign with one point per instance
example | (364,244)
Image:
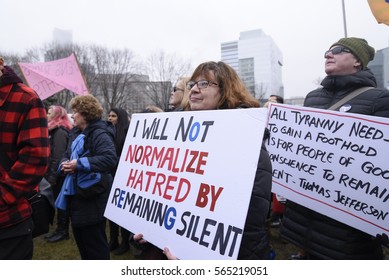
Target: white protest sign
(185,179)
(332,162)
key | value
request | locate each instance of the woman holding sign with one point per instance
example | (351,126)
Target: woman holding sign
(215,86)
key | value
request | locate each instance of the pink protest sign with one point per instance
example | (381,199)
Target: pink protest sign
(48,78)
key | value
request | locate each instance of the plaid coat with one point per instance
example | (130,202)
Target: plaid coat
(24,138)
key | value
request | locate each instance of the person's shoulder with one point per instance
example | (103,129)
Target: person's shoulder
(101,127)
(27,90)
(74,132)
(24,94)
(63,130)
(313,95)
(316,90)
(381,91)
(108,126)
(375,93)
(380,96)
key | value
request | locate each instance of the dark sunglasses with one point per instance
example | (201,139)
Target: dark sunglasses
(176,88)
(336,50)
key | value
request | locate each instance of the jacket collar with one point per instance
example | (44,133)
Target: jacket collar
(7,80)
(9,77)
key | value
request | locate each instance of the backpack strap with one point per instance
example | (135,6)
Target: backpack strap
(348,97)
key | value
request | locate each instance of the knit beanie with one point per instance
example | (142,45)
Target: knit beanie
(359,47)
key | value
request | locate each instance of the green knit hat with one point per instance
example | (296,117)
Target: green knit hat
(359,47)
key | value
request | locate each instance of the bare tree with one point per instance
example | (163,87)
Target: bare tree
(260,92)
(164,70)
(107,73)
(12,60)
(32,55)
(52,52)
(113,75)
(116,70)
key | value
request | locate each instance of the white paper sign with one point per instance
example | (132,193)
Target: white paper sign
(185,179)
(332,162)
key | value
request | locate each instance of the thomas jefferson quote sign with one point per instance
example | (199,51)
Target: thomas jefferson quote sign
(332,162)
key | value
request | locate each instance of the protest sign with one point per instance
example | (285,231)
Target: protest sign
(185,179)
(48,78)
(332,162)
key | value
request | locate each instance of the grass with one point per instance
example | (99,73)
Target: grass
(67,249)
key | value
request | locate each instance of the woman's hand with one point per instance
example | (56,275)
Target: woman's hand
(69,166)
(139,238)
(169,254)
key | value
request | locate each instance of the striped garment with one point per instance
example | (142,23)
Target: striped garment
(24,138)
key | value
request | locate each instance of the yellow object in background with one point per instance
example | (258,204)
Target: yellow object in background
(380,10)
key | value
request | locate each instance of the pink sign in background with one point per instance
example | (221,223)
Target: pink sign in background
(48,78)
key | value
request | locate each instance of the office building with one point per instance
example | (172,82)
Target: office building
(62,37)
(380,67)
(258,60)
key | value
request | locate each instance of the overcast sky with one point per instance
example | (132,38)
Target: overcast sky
(302,29)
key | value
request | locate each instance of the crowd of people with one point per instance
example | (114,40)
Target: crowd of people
(79,158)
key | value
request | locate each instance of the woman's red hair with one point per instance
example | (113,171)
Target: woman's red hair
(59,118)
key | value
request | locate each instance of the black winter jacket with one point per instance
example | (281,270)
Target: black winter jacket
(255,241)
(59,137)
(374,102)
(99,139)
(320,236)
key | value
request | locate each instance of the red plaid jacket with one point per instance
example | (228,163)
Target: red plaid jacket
(24,138)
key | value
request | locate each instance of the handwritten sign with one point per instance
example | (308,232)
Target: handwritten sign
(48,78)
(332,162)
(185,179)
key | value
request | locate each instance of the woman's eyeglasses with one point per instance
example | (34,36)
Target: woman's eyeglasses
(336,50)
(200,84)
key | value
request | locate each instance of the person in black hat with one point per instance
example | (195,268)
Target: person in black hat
(319,236)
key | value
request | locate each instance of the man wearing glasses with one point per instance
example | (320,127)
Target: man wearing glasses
(319,236)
